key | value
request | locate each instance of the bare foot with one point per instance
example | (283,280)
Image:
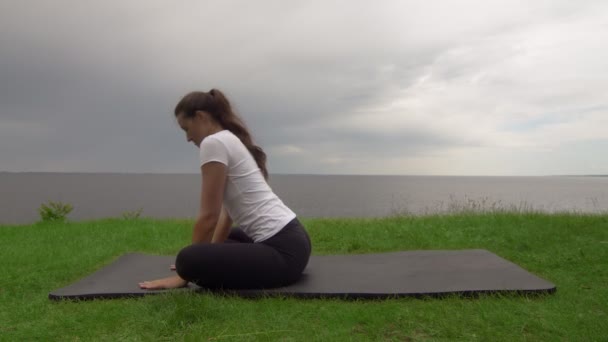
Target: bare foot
(165,283)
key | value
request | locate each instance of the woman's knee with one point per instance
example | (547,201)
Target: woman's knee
(184,262)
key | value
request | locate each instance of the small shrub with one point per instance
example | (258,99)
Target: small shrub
(131,215)
(54,211)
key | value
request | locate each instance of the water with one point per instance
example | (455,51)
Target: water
(177,195)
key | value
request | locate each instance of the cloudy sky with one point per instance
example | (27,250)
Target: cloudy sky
(327,87)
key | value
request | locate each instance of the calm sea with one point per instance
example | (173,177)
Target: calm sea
(177,195)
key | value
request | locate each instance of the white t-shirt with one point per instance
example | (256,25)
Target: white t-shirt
(248,198)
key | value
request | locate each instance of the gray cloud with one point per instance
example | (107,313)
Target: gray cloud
(91,86)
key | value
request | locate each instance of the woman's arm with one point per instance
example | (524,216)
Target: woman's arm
(222,230)
(211,215)
(212,195)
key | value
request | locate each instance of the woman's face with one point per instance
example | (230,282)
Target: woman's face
(196,128)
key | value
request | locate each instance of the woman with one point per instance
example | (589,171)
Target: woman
(271,248)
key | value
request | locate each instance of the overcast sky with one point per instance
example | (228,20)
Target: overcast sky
(326,87)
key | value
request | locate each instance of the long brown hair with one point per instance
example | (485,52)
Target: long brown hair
(215,103)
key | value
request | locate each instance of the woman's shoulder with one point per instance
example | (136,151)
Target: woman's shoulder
(224,134)
(226,138)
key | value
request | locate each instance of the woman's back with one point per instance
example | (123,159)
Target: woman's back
(248,198)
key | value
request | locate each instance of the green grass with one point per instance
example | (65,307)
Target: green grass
(570,250)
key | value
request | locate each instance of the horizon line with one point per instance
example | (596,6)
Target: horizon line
(309,174)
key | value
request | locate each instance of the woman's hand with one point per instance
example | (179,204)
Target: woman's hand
(165,283)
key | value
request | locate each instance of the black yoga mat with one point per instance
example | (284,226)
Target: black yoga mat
(382,275)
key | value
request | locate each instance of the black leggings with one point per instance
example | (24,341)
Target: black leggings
(239,263)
